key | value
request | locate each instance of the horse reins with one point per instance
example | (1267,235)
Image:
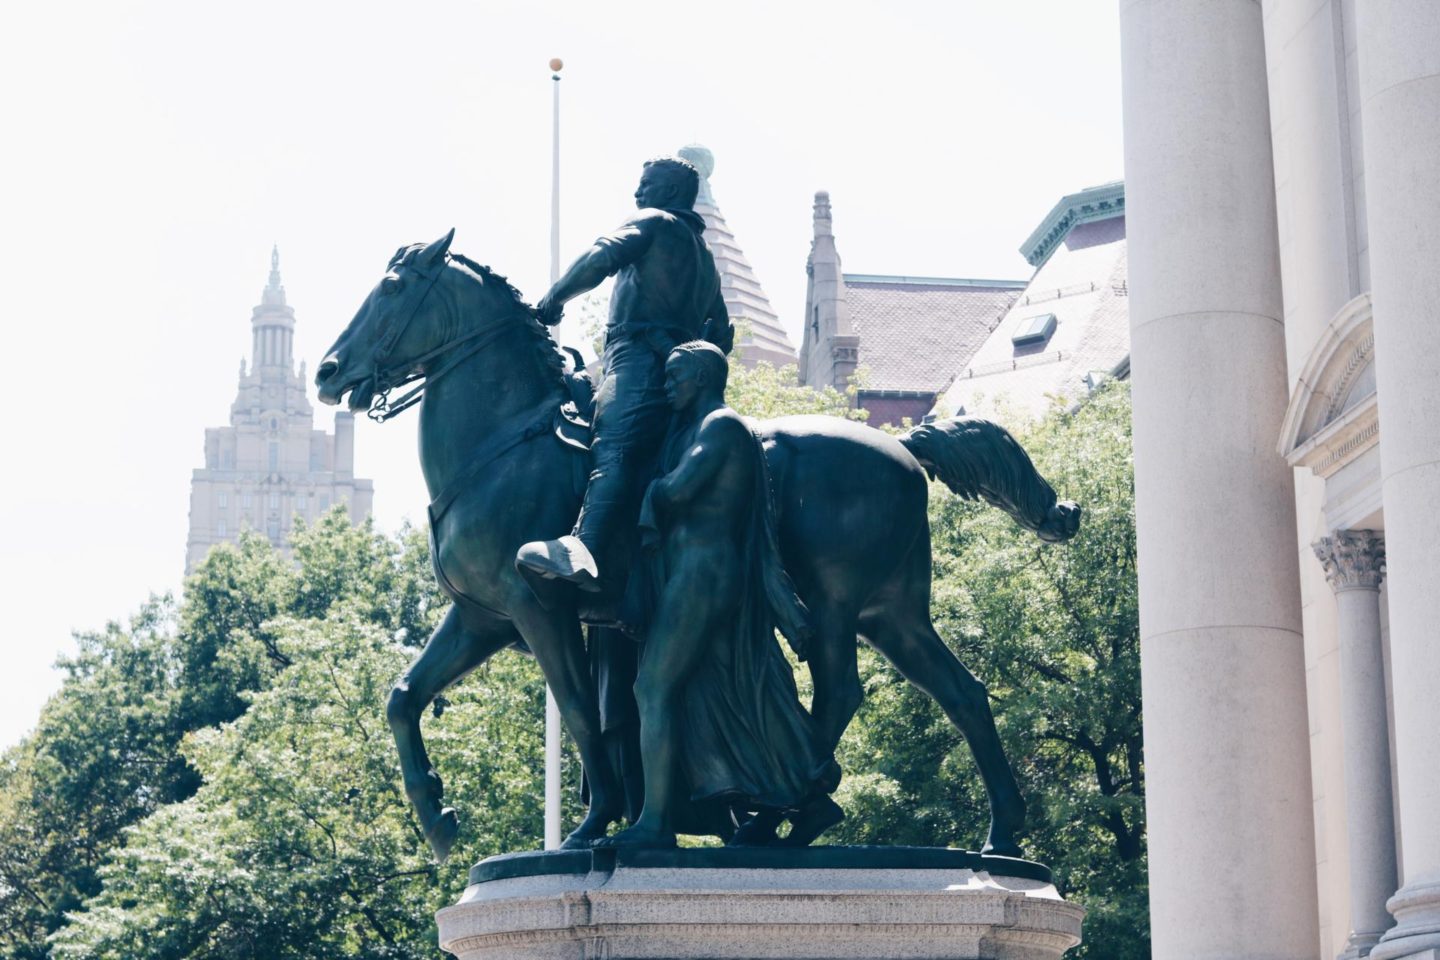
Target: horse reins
(381,409)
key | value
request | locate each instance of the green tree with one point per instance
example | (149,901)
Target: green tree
(106,752)
(764,391)
(101,758)
(300,842)
(1053,631)
(217,781)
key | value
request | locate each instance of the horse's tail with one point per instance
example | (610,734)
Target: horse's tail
(978,459)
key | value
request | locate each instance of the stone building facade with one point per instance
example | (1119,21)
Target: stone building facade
(1282,164)
(899,340)
(270,465)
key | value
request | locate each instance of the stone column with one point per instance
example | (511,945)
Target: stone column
(1232,855)
(1399,50)
(1354,562)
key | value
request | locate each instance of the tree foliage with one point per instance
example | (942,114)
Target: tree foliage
(215,778)
(1053,632)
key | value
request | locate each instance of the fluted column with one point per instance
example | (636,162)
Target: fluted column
(1354,562)
(1399,50)
(1229,805)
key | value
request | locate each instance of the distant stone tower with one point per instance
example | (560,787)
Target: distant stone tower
(830,348)
(744,298)
(270,465)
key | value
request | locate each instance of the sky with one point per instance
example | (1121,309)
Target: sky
(154,151)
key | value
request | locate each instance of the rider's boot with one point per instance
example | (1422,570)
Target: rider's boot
(565,559)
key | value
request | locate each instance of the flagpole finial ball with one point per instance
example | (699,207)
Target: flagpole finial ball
(555,64)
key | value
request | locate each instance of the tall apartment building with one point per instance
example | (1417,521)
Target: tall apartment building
(270,465)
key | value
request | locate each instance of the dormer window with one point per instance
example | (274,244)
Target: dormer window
(1034,330)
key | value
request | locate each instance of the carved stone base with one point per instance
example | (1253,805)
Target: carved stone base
(1416,934)
(820,903)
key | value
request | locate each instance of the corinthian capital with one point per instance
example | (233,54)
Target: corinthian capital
(1353,559)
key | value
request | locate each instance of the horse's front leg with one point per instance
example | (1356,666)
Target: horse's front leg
(451,652)
(555,637)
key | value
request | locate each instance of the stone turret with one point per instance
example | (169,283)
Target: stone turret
(830,349)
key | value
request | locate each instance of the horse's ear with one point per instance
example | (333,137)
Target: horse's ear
(435,252)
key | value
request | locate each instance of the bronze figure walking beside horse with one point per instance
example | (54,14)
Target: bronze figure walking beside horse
(851,503)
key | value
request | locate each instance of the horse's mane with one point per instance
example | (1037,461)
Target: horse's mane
(546,349)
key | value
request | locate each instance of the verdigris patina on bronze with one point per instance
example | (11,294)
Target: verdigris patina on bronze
(508,476)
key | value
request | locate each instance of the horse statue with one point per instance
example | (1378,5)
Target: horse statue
(851,500)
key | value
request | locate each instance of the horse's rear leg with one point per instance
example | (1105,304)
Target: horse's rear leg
(451,652)
(834,675)
(904,634)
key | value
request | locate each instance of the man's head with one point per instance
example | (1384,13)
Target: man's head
(694,370)
(668,183)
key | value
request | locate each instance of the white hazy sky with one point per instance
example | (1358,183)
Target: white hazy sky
(153,152)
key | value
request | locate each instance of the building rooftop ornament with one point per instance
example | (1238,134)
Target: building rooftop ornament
(274,294)
(1093,203)
(745,299)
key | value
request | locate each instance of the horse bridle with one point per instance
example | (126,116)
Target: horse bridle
(388,378)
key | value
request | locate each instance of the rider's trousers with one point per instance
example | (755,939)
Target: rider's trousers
(631,417)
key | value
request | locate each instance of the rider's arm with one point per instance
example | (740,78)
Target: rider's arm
(604,258)
(718,328)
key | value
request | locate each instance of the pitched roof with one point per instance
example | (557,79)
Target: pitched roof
(916,332)
(1083,284)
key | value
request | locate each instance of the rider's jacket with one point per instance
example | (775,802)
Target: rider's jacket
(665,277)
(666,288)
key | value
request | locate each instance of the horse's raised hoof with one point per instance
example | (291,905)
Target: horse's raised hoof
(811,820)
(640,837)
(442,832)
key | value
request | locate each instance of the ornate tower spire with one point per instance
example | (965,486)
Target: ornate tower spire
(274,294)
(273,325)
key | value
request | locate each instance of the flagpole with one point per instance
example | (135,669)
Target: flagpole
(552,709)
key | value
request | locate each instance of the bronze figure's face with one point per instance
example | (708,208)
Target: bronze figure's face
(684,380)
(655,190)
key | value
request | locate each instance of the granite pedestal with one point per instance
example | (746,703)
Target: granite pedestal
(819,903)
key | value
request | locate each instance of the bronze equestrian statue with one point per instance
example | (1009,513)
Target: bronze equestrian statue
(502,469)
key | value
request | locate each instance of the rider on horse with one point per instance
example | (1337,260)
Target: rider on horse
(667,291)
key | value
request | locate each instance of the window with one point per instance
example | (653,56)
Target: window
(274,457)
(324,503)
(245,501)
(274,424)
(1034,330)
(220,530)
(222,502)
(272,529)
(301,502)
(274,501)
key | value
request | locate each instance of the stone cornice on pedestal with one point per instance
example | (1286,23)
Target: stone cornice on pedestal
(861,903)
(1333,415)
(1353,559)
